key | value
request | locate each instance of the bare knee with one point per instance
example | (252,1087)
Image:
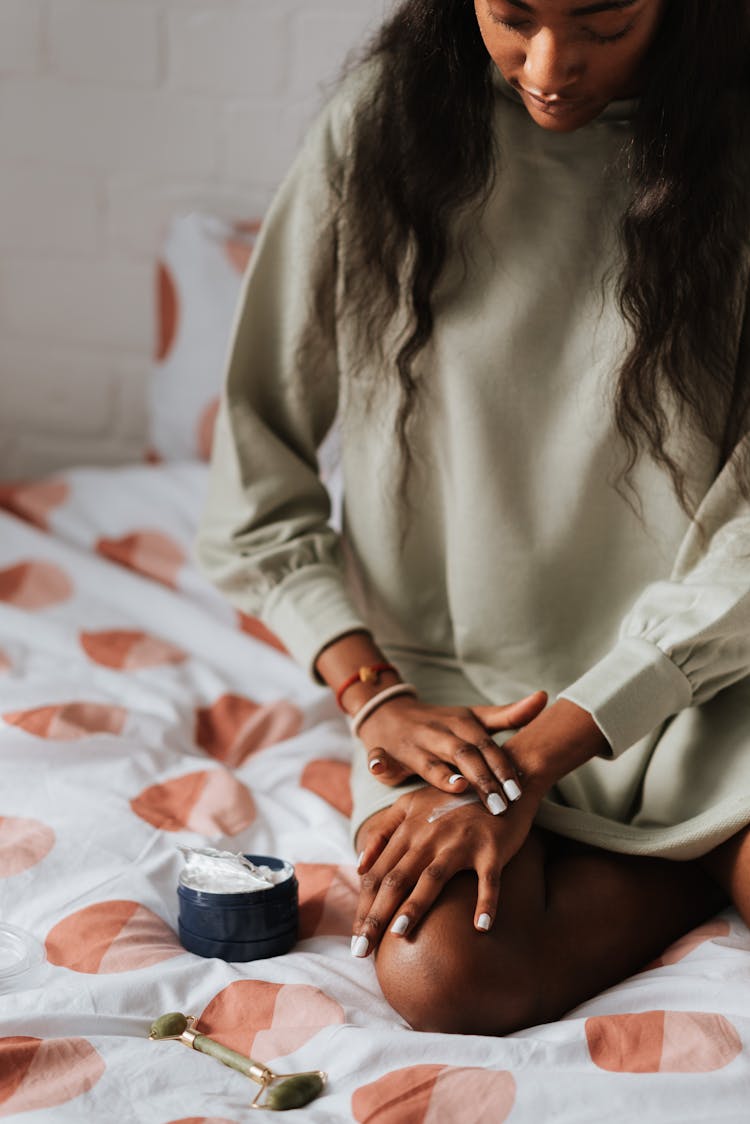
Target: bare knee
(729,866)
(451,979)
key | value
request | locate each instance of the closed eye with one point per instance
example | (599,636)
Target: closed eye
(517,26)
(613,37)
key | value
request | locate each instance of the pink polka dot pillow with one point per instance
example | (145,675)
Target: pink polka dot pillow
(198,279)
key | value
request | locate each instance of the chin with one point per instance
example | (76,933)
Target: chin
(563,122)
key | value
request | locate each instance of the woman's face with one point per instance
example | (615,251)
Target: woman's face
(569,58)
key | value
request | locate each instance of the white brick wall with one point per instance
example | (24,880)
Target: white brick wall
(114,115)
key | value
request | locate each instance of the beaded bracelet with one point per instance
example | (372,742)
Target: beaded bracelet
(369,674)
(376,700)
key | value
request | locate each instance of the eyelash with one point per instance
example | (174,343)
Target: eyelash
(597,38)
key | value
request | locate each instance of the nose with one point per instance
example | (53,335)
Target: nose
(551,65)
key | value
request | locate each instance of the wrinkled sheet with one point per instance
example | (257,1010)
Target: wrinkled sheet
(138,710)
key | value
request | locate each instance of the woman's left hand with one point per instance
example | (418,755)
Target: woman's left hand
(407,860)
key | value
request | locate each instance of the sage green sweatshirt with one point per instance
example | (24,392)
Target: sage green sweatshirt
(523,567)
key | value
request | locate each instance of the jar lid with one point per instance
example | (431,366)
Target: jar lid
(20,955)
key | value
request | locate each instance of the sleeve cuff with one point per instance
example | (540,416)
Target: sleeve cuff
(308,610)
(630,692)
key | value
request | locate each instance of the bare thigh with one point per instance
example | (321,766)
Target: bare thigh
(729,865)
(573,920)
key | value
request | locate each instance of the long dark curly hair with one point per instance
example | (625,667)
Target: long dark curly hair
(423,147)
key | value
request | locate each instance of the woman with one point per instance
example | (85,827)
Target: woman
(515,253)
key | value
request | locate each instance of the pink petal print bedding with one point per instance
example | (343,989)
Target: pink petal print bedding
(138,711)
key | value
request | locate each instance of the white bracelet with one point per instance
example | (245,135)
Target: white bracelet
(376,700)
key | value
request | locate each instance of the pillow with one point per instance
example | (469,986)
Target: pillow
(199,275)
(198,280)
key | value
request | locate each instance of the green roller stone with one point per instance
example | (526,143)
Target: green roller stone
(168,1026)
(294,1092)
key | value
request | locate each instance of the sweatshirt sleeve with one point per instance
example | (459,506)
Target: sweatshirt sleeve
(684,639)
(265,540)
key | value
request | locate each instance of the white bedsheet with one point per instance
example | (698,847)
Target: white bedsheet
(136,713)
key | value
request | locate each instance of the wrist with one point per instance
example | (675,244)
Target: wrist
(557,741)
(341,663)
(360,689)
(396,692)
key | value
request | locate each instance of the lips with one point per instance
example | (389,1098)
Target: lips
(553,105)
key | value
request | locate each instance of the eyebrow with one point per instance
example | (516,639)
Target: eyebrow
(587,9)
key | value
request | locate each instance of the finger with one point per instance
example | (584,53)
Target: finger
(488,895)
(476,766)
(429,886)
(453,761)
(441,774)
(489,768)
(423,763)
(377,837)
(513,715)
(512,779)
(382,888)
(383,766)
(371,880)
(375,918)
(501,764)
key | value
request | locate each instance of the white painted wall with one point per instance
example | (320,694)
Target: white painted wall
(114,115)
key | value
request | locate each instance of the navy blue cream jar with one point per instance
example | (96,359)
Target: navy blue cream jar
(244,925)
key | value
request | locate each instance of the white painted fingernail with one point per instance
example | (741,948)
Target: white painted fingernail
(400,925)
(511,790)
(496,804)
(354,941)
(456,777)
(360,858)
(374,764)
(484,921)
(360,946)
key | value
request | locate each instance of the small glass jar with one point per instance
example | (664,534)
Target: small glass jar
(21,959)
(245,924)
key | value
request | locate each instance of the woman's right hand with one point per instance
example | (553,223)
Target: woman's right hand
(449,746)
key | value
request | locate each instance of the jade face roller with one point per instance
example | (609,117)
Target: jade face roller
(281,1091)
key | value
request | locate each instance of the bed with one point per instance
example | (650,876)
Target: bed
(139,711)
